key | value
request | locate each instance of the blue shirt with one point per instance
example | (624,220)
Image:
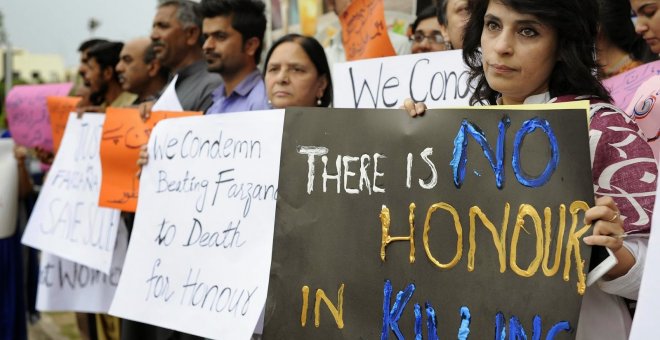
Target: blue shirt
(249,95)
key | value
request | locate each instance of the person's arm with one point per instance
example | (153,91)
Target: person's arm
(24,182)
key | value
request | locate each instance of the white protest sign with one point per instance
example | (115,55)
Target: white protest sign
(8,188)
(645,322)
(69,286)
(66,220)
(200,252)
(168,101)
(439,79)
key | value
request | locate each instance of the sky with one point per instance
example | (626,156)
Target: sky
(59,26)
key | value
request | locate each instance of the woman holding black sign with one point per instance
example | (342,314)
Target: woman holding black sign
(538,51)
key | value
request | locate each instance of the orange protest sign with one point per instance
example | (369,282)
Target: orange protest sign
(364,30)
(124,132)
(58,112)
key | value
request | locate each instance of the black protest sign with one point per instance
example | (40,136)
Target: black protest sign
(464,221)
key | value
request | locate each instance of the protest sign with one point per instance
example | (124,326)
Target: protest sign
(636,92)
(169,100)
(364,30)
(645,321)
(66,220)
(59,109)
(124,132)
(8,188)
(69,286)
(439,79)
(27,113)
(200,249)
(464,221)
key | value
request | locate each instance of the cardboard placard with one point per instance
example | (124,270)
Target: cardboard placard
(66,220)
(8,188)
(463,221)
(199,255)
(59,109)
(364,30)
(69,286)
(124,132)
(438,79)
(27,113)
(645,321)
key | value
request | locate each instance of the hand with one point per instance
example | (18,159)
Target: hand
(44,156)
(142,160)
(339,6)
(607,224)
(145,110)
(414,109)
(608,232)
(20,153)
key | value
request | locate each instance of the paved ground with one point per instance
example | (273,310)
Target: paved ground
(54,326)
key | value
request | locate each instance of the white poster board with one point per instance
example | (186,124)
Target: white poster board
(168,101)
(645,322)
(69,286)
(8,188)
(200,252)
(66,220)
(439,79)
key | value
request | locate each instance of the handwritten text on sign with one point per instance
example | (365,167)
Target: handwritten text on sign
(464,221)
(124,132)
(66,220)
(439,79)
(69,286)
(200,250)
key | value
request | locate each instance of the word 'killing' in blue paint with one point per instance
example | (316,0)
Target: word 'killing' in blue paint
(392,314)
(496,158)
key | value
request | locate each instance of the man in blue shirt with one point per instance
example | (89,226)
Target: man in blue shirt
(233,32)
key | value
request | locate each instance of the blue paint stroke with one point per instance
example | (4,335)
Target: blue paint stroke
(418,322)
(500,327)
(431,322)
(536,324)
(528,127)
(496,159)
(562,326)
(516,330)
(464,330)
(391,317)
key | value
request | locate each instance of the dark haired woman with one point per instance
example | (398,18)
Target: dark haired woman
(618,47)
(648,22)
(297,73)
(539,51)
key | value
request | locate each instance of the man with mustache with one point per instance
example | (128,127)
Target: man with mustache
(176,36)
(233,32)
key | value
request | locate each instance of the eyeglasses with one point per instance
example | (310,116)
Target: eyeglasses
(434,38)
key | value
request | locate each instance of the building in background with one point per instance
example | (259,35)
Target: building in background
(36,68)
